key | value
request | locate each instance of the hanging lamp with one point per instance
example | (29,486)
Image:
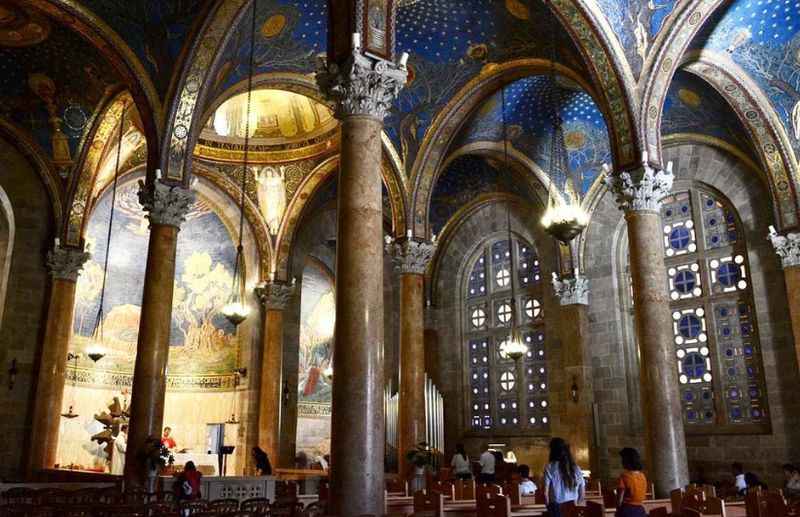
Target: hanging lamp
(563,219)
(70,414)
(237,310)
(513,347)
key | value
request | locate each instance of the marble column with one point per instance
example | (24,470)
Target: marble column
(788,249)
(411,258)
(166,206)
(362,90)
(274,296)
(578,390)
(64,265)
(639,195)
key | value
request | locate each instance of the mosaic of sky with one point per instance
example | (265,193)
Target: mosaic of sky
(636,23)
(692,106)
(530,127)
(763,37)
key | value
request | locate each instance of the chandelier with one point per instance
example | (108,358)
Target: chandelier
(237,310)
(564,218)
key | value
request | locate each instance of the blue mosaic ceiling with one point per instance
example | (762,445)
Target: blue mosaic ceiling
(530,128)
(763,37)
(692,106)
(450,41)
(636,24)
(155,30)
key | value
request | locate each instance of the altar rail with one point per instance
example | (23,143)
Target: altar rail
(232,487)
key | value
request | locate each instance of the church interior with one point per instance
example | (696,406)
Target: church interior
(367,239)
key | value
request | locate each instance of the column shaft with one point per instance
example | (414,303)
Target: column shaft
(52,373)
(358,438)
(412,367)
(665,440)
(152,352)
(792,279)
(269,411)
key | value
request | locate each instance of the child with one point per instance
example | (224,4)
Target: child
(526,486)
(632,485)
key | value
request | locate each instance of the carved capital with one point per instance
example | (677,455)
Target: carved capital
(66,263)
(362,85)
(787,248)
(164,203)
(275,295)
(642,189)
(572,291)
(410,256)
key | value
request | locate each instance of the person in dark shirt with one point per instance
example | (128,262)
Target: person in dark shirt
(261,458)
(188,483)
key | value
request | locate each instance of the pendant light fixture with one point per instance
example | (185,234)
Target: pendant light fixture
(513,347)
(237,310)
(563,219)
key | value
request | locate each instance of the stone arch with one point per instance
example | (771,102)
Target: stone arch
(753,108)
(7,234)
(124,60)
(446,124)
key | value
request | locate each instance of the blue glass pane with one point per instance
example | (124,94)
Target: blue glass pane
(694,365)
(689,326)
(679,238)
(728,274)
(685,282)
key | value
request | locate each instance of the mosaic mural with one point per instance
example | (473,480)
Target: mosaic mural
(317,318)
(202,341)
(530,128)
(692,106)
(50,84)
(155,30)
(763,37)
(636,23)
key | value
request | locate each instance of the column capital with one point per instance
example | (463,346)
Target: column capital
(362,85)
(164,203)
(642,189)
(275,295)
(66,263)
(572,291)
(786,247)
(410,256)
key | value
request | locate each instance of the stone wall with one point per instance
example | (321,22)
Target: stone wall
(22,327)
(612,343)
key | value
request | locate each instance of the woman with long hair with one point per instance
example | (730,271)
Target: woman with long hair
(563,479)
(460,463)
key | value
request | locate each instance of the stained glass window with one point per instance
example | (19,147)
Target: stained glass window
(717,351)
(505,394)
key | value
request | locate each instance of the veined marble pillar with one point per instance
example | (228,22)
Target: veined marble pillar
(167,206)
(639,195)
(274,296)
(64,265)
(788,249)
(363,90)
(578,391)
(412,258)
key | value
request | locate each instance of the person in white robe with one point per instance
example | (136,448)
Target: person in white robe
(118,454)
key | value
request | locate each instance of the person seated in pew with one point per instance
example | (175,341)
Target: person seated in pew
(563,479)
(738,478)
(753,481)
(632,485)
(526,485)
(460,463)
(791,486)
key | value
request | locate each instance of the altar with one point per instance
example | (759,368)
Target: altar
(205,463)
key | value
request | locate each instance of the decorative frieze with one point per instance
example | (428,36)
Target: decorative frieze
(275,295)
(165,204)
(362,85)
(642,189)
(66,263)
(572,291)
(409,255)
(787,248)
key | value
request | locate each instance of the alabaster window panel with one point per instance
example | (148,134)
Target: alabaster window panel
(505,395)
(716,346)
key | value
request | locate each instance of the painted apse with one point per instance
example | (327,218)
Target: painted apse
(203,344)
(763,38)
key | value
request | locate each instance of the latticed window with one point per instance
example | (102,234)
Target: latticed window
(505,395)
(717,350)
